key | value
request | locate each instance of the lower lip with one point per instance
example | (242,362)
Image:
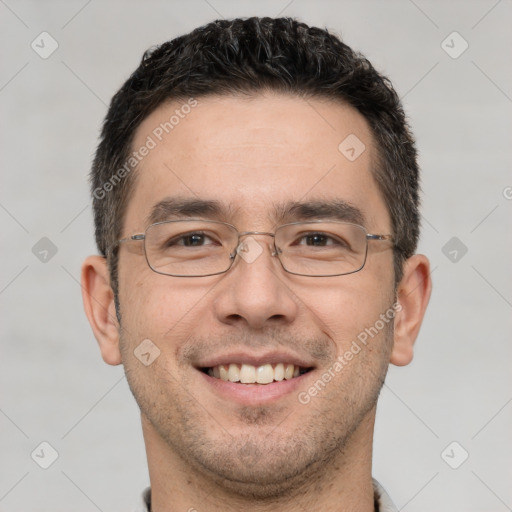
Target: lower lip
(254,394)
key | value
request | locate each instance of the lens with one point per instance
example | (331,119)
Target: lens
(322,248)
(190,248)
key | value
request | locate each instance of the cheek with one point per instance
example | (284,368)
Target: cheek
(344,307)
(162,308)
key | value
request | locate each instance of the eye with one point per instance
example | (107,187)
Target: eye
(191,240)
(320,240)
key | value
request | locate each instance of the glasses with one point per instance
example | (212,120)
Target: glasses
(200,248)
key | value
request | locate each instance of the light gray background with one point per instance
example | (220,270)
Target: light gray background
(54,385)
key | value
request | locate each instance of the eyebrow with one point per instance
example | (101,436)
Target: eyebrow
(334,209)
(178,207)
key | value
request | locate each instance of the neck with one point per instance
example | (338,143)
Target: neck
(343,484)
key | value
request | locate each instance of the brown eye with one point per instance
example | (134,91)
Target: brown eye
(320,240)
(193,240)
(190,240)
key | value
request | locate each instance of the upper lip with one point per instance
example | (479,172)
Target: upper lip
(255,359)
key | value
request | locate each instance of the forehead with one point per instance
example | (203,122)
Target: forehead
(253,156)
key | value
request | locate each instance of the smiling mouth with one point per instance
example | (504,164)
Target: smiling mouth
(249,374)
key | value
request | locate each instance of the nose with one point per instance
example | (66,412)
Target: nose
(254,291)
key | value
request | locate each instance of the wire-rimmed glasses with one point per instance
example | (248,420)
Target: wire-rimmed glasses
(200,248)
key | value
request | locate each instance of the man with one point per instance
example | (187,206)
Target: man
(256,207)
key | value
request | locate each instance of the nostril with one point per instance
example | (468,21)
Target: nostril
(235,317)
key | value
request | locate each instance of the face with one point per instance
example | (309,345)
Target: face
(254,158)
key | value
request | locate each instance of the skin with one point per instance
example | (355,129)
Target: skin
(211,453)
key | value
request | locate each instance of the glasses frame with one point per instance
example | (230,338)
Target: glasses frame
(275,252)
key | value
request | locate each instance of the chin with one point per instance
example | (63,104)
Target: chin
(263,467)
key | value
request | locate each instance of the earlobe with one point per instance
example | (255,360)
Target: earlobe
(413,295)
(98,299)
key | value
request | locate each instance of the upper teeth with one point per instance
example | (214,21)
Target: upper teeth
(249,374)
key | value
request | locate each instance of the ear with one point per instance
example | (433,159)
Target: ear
(98,299)
(413,294)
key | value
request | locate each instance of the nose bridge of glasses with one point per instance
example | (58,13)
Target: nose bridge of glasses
(242,245)
(246,233)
